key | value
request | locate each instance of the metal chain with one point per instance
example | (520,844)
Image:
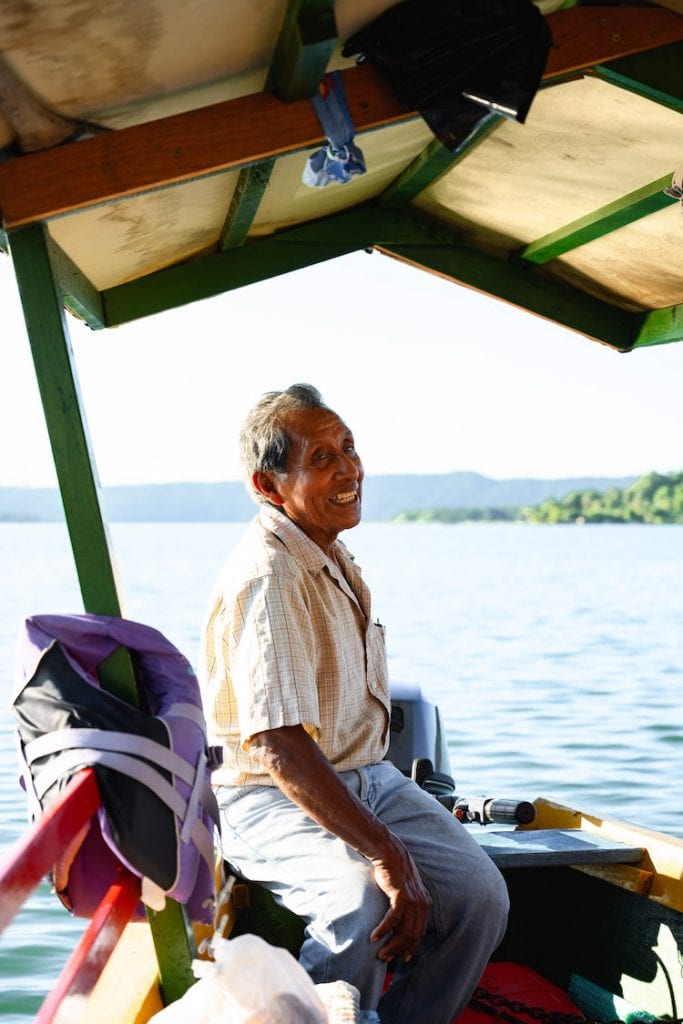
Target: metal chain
(509,1010)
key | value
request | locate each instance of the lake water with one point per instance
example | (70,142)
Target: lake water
(554,652)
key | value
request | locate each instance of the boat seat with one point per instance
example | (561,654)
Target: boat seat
(551,847)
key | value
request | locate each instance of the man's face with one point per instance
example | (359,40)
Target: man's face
(321,491)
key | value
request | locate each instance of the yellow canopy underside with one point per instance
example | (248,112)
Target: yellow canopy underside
(585,144)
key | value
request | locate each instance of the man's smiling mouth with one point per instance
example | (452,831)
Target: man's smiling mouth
(346,498)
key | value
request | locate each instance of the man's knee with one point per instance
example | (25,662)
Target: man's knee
(478,903)
(493,902)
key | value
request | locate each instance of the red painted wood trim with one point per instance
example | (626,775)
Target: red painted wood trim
(586,36)
(86,963)
(174,149)
(34,854)
(241,131)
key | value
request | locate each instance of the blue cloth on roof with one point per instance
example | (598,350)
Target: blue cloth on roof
(341,159)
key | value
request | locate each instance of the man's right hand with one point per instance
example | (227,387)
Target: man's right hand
(405,922)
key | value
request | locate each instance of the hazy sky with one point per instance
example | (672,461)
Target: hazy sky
(430,376)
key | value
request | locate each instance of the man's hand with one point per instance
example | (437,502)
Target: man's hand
(300,769)
(405,922)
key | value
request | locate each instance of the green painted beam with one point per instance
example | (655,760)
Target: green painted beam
(392,232)
(222,272)
(48,334)
(656,75)
(251,184)
(659,327)
(303,49)
(523,287)
(32,255)
(432,162)
(175,949)
(78,294)
(625,210)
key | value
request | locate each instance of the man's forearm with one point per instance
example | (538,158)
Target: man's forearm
(300,769)
(303,773)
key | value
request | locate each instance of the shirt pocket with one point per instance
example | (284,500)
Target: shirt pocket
(378,674)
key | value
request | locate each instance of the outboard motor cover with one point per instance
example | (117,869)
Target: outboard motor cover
(416,730)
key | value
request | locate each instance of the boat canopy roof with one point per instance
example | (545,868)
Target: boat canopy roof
(164,146)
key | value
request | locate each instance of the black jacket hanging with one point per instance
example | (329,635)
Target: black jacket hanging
(456,60)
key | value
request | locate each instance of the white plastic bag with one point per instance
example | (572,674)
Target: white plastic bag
(249,982)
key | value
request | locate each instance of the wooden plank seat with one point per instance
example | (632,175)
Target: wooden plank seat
(554,847)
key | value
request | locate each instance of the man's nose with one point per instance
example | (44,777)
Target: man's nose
(348,465)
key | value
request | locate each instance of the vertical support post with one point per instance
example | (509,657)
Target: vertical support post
(65,417)
(53,360)
(305,45)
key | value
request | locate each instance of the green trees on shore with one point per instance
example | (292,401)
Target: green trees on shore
(653,498)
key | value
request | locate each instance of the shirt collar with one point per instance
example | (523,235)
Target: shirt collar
(300,544)
(293,538)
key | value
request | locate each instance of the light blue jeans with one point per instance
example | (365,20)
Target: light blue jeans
(268,839)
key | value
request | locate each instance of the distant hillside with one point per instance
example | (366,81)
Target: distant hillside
(384,497)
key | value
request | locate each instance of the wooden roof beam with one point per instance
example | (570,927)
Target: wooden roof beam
(393,233)
(521,287)
(251,129)
(303,50)
(79,295)
(625,210)
(246,199)
(225,136)
(659,327)
(656,75)
(304,47)
(586,36)
(534,291)
(433,161)
(224,271)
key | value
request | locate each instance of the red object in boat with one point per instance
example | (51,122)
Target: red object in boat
(517,984)
(33,856)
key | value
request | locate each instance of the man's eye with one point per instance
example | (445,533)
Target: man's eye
(350,449)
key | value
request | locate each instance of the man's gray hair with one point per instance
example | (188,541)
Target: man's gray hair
(265,445)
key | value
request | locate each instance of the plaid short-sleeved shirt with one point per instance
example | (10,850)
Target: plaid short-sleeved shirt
(289,640)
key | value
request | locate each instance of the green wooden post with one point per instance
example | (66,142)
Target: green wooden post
(48,334)
(251,185)
(305,44)
(53,360)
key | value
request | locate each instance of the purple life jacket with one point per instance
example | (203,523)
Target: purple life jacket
(152,764)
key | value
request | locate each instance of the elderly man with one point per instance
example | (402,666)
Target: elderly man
(295,687)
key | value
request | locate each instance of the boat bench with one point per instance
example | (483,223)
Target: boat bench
(551,847)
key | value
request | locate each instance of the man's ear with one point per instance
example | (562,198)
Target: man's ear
(266,484)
